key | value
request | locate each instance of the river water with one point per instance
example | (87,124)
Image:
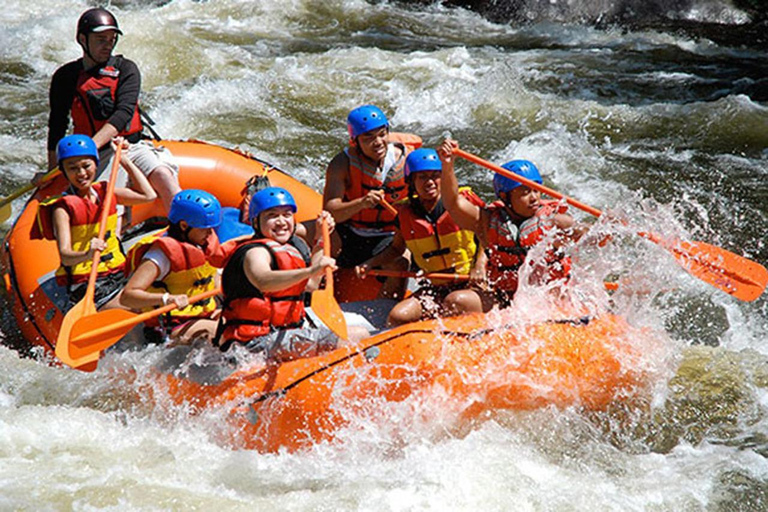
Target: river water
(655,127)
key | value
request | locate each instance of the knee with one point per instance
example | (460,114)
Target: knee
(464,301)
(404,312)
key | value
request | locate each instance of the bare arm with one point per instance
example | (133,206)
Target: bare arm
(464,213)
(135,294)
(261,275)
(63,234)
(336,182)
(395,249)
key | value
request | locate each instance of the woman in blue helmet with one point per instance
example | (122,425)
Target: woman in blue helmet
(265,282)
(173,267)
(509,227)
(72,219)
(436,244)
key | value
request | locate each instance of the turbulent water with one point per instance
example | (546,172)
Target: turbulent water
(658,128)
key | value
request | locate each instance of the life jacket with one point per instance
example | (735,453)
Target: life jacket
(365,176)
(190,274)
(94,100)
(508,244)
(84,217)
(247,312)
(440,245)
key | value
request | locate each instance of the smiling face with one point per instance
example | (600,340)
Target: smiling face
(80,171)
(523,201)
(277,223)
(374,143)
(427,185)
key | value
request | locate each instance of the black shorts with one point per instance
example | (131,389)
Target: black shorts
(107,288)
(356,249)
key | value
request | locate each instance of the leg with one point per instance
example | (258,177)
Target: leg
(405,312)
(165,183)
(394,287)
(464,301)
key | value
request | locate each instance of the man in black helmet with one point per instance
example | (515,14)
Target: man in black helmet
(100,93)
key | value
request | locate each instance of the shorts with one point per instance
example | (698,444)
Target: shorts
(287,344)
(356,249)
(144,154)
(107,288)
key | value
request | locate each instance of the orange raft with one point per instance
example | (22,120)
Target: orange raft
(470,364)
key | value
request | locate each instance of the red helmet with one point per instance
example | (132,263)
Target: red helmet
(97,20)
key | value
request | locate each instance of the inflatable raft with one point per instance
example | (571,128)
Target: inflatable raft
(474,363)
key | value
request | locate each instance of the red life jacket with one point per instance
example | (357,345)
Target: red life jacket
(439,246)
(94,101)
(365,176)
(248,312)
(190,274)
(84,217)
(508,244)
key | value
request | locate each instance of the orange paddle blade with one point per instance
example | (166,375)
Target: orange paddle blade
(93,333)
(323,302)
(736,275)
(87,362)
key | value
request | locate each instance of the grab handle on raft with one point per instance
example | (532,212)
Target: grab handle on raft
(736,275)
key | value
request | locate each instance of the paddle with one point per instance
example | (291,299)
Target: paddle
(736,275)
(86,306)
(388,206)
(609,285)
(323,302)
(93,333)
(5,203)
(404,273)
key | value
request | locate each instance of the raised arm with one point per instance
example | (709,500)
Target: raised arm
(467,215)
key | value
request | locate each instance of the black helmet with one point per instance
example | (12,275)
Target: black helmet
(97,20)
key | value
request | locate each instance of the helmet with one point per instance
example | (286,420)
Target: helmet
(198,208)
(270,197)
(524,168)
(423,159)
(76,145)
(364,119)
(97,20)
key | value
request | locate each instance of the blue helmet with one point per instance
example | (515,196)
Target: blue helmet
(524,168)
(198,208)
(270,197)
(76,145)
(423,159)
(364,119)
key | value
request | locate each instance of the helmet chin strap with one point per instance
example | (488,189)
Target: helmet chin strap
(86,48)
